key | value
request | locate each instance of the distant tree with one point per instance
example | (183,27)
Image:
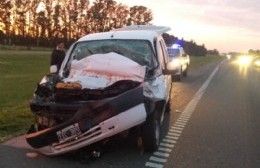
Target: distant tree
(140,15)
(213,52)
(190,47)
(71,15)
(105,15)
(2,37)
(82,20)
(122,14)
(49,19)
(254,52)
(56,31)
(32,19)
(5,19)
(20,19)
(43,21)
(97,16)
(203,50)
(169,39)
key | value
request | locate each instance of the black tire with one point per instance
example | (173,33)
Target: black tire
(168,107)
(185,73)
(150,133)
(177,77)
(168,104)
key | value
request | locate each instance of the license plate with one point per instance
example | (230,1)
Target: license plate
(69,133)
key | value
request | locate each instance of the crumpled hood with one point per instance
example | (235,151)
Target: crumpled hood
(102,70)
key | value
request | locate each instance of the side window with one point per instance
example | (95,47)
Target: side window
(165,53)
(162,55)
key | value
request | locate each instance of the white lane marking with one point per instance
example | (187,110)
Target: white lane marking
(185,115)
(167,145)
(177,128)
(162,154)
(168,140)
(184,118)
(172,137)
(173,134)
(152,158)
(155,165)
(181,122)
(179,125)
(165,149)
(175,131)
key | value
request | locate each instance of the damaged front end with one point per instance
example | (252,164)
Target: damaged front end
(68,119)
(78,110)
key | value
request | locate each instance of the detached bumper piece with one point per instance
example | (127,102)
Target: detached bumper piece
(88,121)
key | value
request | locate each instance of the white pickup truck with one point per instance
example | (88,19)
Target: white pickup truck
(180,61)
(108,83)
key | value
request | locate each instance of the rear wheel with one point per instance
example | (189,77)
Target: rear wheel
(151,133)
(177,77)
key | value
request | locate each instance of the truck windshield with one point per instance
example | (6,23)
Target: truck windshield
(139,51)
(173,52)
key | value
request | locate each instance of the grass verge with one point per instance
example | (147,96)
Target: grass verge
(19,73)
(196,62)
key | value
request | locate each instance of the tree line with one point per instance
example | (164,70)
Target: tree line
(254,52)
(38,22)
(190,47)
(42,22)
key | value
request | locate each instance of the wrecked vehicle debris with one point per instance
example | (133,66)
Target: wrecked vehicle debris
(108,83)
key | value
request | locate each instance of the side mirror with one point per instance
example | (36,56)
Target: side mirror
(53,69)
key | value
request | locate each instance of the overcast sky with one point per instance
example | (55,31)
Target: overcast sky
(226,25)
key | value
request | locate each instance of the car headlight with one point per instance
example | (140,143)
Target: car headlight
(174,63)
(257,63)
(244,60)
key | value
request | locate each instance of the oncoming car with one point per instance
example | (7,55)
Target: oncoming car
(108,83)
(179,61)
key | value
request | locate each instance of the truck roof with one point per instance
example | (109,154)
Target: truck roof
(140,32)
(157,29)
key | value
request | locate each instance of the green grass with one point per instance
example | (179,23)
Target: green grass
(19,73)
(23,48)
(196,62)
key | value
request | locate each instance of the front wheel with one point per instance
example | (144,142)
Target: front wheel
(177,77)
(151,133)
(185,73)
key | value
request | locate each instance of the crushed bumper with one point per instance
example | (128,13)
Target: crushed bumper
(93,121)
(105,129)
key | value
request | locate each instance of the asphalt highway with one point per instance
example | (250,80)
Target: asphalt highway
(224,129)
(214,122)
